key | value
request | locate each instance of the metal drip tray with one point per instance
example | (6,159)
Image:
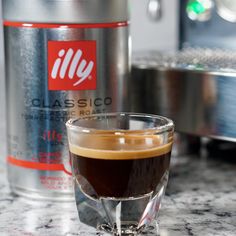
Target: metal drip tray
(195,87)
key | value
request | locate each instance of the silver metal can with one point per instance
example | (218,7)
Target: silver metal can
(63,59)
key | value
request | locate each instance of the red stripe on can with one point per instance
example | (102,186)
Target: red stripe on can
(65,26)
(36,165)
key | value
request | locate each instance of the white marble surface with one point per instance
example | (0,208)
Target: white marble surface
(200,200)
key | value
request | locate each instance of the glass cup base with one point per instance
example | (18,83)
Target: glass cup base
(120,217)
(126,229)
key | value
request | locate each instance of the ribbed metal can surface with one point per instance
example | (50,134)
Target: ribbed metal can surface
(58,66)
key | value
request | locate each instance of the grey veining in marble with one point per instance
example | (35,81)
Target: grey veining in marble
(200,200)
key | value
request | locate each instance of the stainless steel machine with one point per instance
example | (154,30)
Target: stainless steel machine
(195,86)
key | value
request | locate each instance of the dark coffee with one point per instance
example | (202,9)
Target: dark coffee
(119,174)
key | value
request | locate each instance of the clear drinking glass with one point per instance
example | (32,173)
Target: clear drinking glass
(120,164)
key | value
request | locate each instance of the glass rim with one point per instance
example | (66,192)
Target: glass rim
(168,127)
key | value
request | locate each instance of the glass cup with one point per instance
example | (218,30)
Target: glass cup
(120,164)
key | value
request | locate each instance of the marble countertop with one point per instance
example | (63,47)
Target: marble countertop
(200,200)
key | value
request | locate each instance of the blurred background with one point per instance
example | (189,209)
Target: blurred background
(152,30)
(2,92)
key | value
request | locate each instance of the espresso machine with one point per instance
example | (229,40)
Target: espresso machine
(196,85)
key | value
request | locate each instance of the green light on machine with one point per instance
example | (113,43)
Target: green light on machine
(196,7)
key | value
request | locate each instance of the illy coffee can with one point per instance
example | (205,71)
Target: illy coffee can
(63,59)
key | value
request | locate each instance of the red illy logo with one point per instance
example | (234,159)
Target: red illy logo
(72,65)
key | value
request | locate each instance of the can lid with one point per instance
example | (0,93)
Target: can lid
(65,11)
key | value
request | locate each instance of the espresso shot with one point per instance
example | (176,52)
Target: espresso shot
(120,176)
